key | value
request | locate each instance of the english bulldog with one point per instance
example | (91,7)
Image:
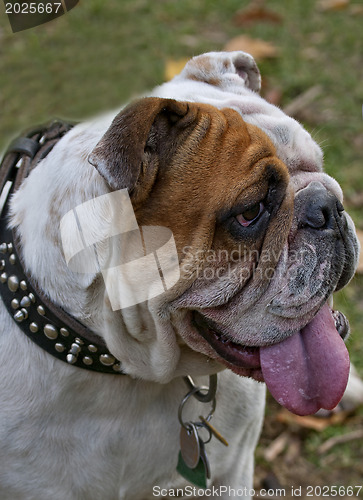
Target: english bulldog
(261,242)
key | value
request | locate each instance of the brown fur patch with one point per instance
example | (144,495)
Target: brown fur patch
(195,164)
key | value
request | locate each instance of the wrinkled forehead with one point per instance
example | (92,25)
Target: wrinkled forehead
(278,137)
(229,160)
(294,145)
(223,143)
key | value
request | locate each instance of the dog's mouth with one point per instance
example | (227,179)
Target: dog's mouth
(307,371)
(244,357)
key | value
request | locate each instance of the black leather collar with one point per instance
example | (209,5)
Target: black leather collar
(44,322)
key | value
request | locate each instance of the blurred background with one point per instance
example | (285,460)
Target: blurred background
(310,54)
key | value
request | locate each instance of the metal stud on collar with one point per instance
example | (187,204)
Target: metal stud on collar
(50,331)
(59,347)
(64,332)
(13,283)
(25,301)
(15,304)
(33,327)
(21,315)
(107,359)
(74,351)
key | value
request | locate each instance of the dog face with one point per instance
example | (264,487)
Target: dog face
(196,170)
(260,248)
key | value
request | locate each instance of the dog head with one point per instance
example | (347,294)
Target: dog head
(258,256)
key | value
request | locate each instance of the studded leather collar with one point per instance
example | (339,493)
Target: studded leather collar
(44,322)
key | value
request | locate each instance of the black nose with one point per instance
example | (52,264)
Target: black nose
(320,209)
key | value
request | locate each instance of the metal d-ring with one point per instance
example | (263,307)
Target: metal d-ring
(211,390)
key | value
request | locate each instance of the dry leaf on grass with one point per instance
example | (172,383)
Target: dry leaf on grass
(326,5)
(277,446)
(256,13)
(345,438)
(356,10)
(259,49)
(360,264)
(293,450)
(301,101)
(310,421)
(174,67)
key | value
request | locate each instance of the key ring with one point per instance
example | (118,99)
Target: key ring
(211,390)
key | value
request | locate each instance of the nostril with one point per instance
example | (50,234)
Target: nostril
(340,208)
(316,220)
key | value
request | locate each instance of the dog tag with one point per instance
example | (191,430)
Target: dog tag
(195,476)
(190,446)
(204,459)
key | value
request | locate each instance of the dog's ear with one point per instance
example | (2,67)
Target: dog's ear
(246,68)
(220,69)
(136,138)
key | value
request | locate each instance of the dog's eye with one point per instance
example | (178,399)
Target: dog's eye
(251,214)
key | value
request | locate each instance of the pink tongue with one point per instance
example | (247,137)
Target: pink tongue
(309,370)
